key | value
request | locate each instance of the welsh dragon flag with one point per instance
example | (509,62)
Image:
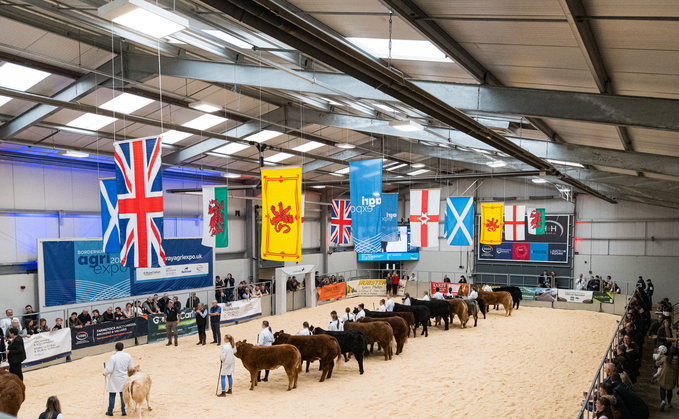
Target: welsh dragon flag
(215,226)
(536,221)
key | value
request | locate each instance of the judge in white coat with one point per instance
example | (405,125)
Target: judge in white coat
(438,294)
(228,363)
(116,371)
(382,308)
(265,338)
(348,316)
(389,304)
(361,311)
(335,324)
(425,297)
(305,331)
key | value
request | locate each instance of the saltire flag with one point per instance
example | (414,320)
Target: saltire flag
(365,184)
(340,222)
(536,221)
(302,222)
(424,217)
(140,202)
(389,217)
(215,224)
(109,215)
(491,223)
(458,226)
(282,214)
(515,222)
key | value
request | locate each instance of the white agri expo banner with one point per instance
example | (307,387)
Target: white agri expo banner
(240,310)
(371,288)
(575,296)
(46,346)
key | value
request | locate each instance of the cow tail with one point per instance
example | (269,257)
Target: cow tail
(130,390)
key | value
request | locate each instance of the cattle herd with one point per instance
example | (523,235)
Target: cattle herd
(358,338)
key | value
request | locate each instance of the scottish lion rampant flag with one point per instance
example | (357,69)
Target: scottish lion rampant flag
(140,202)
(459,223)
(282,214)
(109,215)
(340,223)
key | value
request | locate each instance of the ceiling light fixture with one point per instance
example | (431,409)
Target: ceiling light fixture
(346,146)
(229,38)
(565,163)
(204,122)
(401,49)
(172,136)
(417,165)
(342,171)
(205,106)
(482,151)
(407,125)
(278,157)
(21,78)
(496,163)
(91,121)
(539,180)
(232,148)
(143,17)
(386,107)
(311,145)
(74,153)
(418,172)
(319,187)
(262,136)
(126,103)
(396,167)
(231,175)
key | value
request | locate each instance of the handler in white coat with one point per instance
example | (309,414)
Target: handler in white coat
(116,371)
(228,363)
(265,338)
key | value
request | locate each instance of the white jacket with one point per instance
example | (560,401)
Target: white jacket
(265,337)
(228,359)
(116,371)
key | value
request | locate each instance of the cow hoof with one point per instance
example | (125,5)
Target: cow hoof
(361,372)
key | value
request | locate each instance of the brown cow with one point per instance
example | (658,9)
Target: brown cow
(377,332)
(314,347)
(406,315)
(258,358)
(398,326)
(137,388)
(460,309)
(12,393)
(500,297)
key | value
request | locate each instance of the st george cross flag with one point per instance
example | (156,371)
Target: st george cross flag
(215,224)
(515,222)
(140,202)
(282,214)
(459,222)
(491,223)
(340,223)
(536,221)
(109,215)
(424,217)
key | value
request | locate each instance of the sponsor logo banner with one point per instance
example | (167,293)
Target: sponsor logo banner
(575,296)
(240,310)
(331,292)
(365,182)
(185,326)
(99,334)
(372,288)
(165,272)
(368,257)
(603,297)
(43,347)
(444,287)
(539,251)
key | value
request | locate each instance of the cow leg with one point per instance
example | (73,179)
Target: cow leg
(307,365)
(320,365)
(445,319)
(372,346)
(148,400)
(379,347)
(325,372)
(345,357)
(359,359)
(290,372)
(330,368)
(253,380)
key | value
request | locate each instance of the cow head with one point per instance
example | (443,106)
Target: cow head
(280,337)
(241,347)
(136,369)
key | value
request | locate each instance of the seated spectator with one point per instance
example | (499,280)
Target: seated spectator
(30,314)
(58,325)
(108,315)
(85,317)
(74,322)
(264,289)
(150,306)
(29,328)
(118,315)
(288,285)
(241,289)
(326,281)
(258,292)
(246,294)
(175,303)
(225,296)
(317,279)
(43,326)
(96,317)
(138,311)
(615,289)
(129,311)
(5,323)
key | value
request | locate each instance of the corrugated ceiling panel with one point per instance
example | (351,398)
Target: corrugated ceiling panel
(632,8)
(655,85)
(528,56)
(369,26)
(595,135)
(544,78)
(616,170)
(510,33)
(434,71)
(541,8)
(654,141)
(636,34)
(365,6)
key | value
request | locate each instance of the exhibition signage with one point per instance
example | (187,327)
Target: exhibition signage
(240,310)
(108,332)
(47,346)
(372,288)
(365,183)
(331,292)
(186,326)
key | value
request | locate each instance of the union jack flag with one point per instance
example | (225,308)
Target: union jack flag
(140,202)
(340,224)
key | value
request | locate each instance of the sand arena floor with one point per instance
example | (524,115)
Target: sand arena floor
(535,363)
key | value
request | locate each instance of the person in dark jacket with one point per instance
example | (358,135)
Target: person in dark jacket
(16,354)
(201,321)
(108,315)
(635,405)
(3,355)
(192,301)
(649,289)
(641,284)
(53,409)
(607,389)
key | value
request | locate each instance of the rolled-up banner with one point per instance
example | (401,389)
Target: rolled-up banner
(365,183)
(282,214)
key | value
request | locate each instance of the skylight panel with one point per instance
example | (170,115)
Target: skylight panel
(401,49)
(204,122)
(342,171)
(418,172)
(311,145)
(172,136)
(126,103)
(231,148)
(21,78)
(262,136)
(278,157)
(91,121)
(229,38)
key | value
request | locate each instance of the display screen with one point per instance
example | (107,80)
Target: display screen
(399,249)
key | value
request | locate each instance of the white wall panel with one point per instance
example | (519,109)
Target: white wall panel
(30,228)
(6,186)
(8,244)
(59,189)
(79,226)
(29,187)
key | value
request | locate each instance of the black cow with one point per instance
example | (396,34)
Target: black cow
(482,305)
(515,292)
(350,342)
(421,314)
(437,308)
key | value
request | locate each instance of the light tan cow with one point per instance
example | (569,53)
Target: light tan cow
(137,388)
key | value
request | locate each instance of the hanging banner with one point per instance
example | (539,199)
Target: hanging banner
(240,310)
(424,217)
(459,222)
(215,225)
(109,215)
(372,288)
(536,221)
(389,217)
(108,332)
(491,223)
(186,326)
(365,182)
(47,346)
(331,292)
(340,222)
(282,214)
(515,222)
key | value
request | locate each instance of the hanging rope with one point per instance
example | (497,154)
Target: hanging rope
(390,28)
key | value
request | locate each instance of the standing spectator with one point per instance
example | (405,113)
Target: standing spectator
(176,303)
(215,315)
(171,316)
(118,315)
(664,332)
(615,289)
(30,315)
(389,305)
(3,355)
(553,280)
(542,279)
(108,315)
(150,306)
(580,282)
(265,339)
(335,324)
(201,322)
(445,278)
(219,287)
(288,285)
(116,371)
(388,282)
(228,363)
(192,301)
(85,317)
(163,303)
(229,281)
(317,279)
(6,323)
(74,322)
(463,280)
(138,310)
(43,326)
(668,376)
(604,407)
(395,279)
(641,284)
(15,352)
(53,409)
(649,289)
(129,311)
(58,325)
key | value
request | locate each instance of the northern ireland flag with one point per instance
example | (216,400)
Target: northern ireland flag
(215,225)
(109,215)
(424,217)
(515,222)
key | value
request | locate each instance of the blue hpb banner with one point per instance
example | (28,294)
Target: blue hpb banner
(389,217)
(79,271)
(365,182)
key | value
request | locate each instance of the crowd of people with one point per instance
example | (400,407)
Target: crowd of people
(615,397)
